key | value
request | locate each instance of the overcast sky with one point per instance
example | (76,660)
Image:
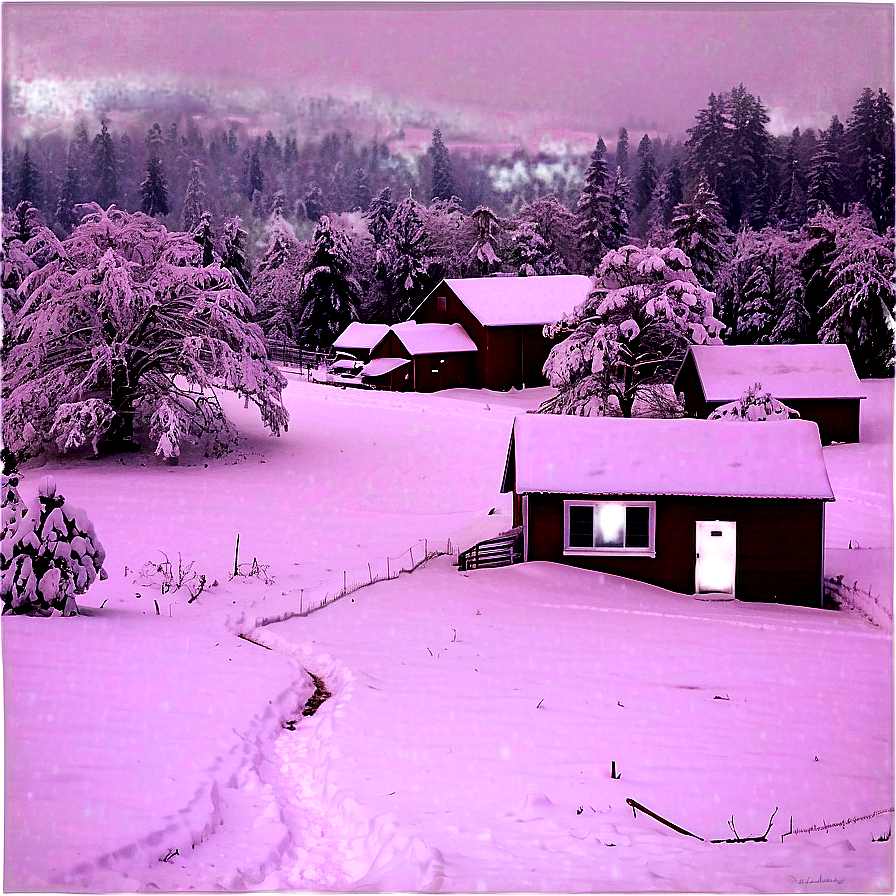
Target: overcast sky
(581,67)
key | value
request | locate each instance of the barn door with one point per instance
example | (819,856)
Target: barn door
(716,556)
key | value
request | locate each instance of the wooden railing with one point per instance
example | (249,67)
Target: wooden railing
(502,550)
(295,356)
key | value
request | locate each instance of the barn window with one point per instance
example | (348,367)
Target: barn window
(442,303)
(609,527)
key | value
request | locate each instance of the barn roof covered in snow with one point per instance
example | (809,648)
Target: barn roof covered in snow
(521,301)
(358,335)
(787,371)
(567,454)
(433,339)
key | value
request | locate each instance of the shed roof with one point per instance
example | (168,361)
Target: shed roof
(380,366)
(521,301)
(714,458)
(358,335)
(787,371)
(433,339)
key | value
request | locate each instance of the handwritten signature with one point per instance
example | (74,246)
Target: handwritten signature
(816,880)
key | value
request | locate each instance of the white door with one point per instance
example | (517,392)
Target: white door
(716,556)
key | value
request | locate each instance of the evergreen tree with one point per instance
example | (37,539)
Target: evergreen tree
(314,203)
(669,193)
(701,233)
(442,172)
(709,143)
(593,208)
(70,194)
(646,178)
(204,236)
(825,187)
(379,214)
(630,335)
(619,198)
(329,294)
(233,254)
(105,167)
(750,158)
(254,176)
(622,152)
(869,141)
(361,190)
(530,253)
(272,147)
(276,285)
(404,260)
(484,253)
(153,190)
(194,198)
(29,180)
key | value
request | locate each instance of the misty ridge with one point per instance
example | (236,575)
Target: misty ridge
(792,234)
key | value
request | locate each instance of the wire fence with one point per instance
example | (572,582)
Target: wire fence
(405,562)
(295,356)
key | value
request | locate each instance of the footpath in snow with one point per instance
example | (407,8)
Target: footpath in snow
(468,741)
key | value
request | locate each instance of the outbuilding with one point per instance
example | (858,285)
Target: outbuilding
(421,358)
(358,339)
(694,506)
(818,381)
(504,317)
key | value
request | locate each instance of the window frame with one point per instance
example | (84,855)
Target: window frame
(612,551)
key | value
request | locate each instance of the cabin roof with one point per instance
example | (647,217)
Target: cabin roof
(787,371)
(358,335)
(520,301)
(567,454)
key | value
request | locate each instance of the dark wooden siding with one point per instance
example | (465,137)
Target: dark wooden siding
(688,382)
(506,357)
(449,371)
(779,544)
(400,380)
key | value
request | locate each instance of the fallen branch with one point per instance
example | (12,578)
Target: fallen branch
(636,805)
(738,839)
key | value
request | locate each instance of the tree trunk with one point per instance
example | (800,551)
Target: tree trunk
(119,438)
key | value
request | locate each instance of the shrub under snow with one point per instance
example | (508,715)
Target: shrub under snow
(50,552)
(754,405)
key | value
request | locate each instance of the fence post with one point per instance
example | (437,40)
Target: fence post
(411,552)
(388,571)
(369,572)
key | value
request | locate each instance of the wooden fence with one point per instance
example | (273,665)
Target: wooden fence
(858,600)
(295,356)
(502,550)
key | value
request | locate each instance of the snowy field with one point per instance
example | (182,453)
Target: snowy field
(468,741)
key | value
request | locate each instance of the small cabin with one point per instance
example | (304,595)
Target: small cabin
(421,358)
(818,381)
(505,317)
(693,506)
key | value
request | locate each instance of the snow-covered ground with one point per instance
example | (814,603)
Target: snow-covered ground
(474,717)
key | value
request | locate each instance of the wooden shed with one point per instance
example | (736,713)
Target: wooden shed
(694,506)
(818,381)
(435,356)
(504,317)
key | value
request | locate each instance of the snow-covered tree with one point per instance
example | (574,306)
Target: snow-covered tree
(631,334)
(361,190)
(314,203)
(404,260)
(330,295)
(105,167)
(754,406)
(646,178)
(129,315)
(28,184)
(50,552)
(442,173)
(69,196)
(531,255)
(484,253)
(277,283)
(700,232)
(204,235)
(825,188)
(233,252)
(154,190)
(619,199)
(593,209)
(860,307)
(194,198)
(622,152)
(379,213)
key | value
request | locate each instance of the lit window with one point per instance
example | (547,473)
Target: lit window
(609,527)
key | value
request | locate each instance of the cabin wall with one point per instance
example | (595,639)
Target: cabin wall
(447,371)
(688,382)
(779,544)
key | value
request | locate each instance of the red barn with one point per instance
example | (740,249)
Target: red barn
(421,358)
(504,317)
(359,339)
(694,506)
(818,381)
